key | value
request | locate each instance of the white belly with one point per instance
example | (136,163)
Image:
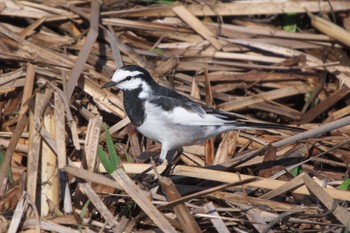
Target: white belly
(160,127)
(173,136)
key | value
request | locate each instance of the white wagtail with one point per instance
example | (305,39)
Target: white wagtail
(167,117)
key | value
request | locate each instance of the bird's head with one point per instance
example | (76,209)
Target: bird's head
(130,77)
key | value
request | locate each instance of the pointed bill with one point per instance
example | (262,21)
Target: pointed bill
(109,84)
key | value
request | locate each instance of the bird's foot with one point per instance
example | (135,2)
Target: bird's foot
(147,155)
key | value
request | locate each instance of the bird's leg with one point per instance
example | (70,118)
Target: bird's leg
(173,155)
(163,155)
(167,156)
(146,155)
(178,152)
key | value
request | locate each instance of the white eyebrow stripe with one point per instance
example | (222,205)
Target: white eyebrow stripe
(122,74)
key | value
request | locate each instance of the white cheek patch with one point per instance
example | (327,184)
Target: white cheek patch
(146,90)
(120,75)
(182,116)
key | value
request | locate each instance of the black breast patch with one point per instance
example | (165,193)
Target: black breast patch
(134,106)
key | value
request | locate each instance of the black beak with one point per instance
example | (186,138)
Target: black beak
(109,84)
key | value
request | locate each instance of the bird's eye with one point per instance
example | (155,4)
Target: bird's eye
(128,78)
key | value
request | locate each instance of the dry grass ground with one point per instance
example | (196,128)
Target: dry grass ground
(283,62)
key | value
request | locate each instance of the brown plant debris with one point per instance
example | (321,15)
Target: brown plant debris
(253,58)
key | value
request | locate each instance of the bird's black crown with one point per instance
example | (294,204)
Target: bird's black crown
(144,73)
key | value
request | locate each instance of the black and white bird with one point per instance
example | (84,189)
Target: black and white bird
(172,119)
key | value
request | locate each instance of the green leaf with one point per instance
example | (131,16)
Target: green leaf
(111,162)
(346,229)
(9,175)
(296,171)
(9,170)
(83,214)
(84,210)
(111,149)
(157,51)
(129,158)
(345,185)
(290,22)
(107,164)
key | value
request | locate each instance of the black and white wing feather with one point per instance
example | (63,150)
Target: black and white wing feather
(183,111)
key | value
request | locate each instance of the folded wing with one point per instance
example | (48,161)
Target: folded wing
(187,112)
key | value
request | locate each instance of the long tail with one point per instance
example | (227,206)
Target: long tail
(242,122)
(248,124)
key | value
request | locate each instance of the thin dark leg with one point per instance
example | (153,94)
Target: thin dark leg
(174,155)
